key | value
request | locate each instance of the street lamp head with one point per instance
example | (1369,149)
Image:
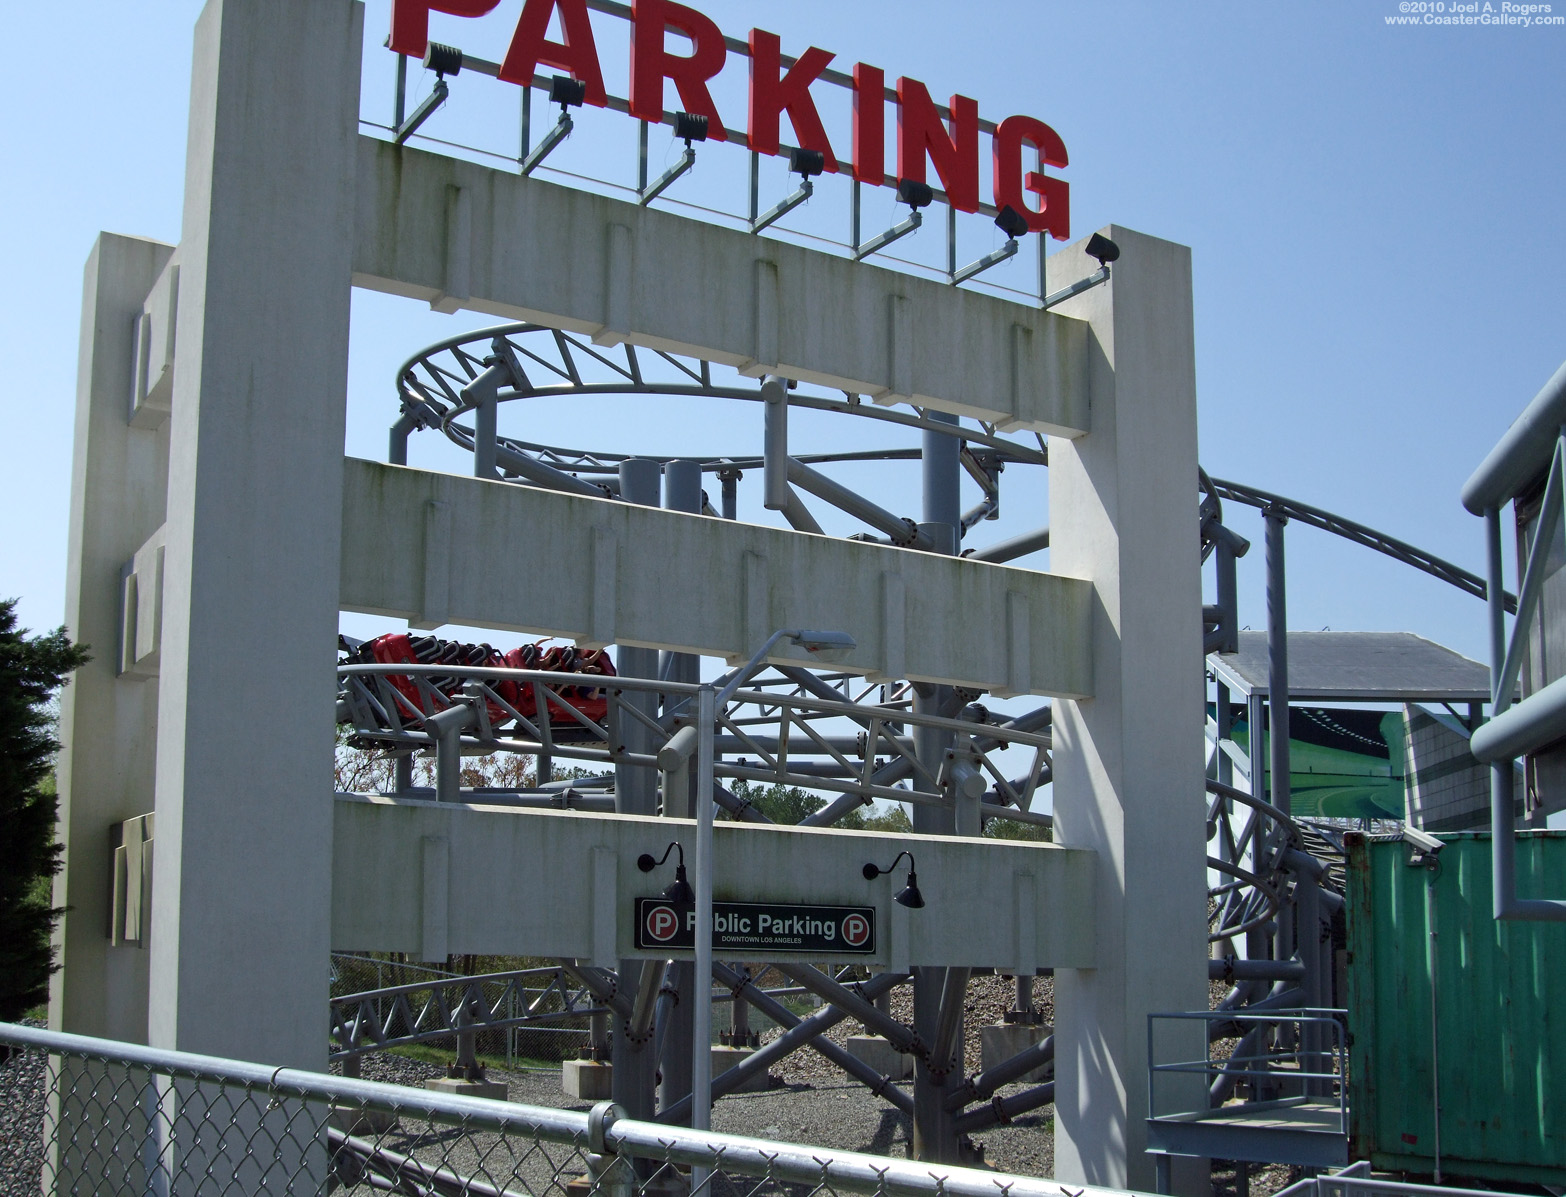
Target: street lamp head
(909,895)
(679,891)
(825,646)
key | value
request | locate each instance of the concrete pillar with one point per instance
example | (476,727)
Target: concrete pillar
(1128,762)
(108,722)
(242,891)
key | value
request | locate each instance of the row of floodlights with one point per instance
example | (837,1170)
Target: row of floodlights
(691,127)
(680,892)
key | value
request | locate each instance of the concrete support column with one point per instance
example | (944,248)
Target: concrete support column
(242,890)
(1128,762)
(108,723)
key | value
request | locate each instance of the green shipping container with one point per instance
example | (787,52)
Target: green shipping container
(1500,1010)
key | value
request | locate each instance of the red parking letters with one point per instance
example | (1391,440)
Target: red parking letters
(577,54)
(1053,214)
(869,124)
(921,132)
(650,65)
(410,21)
(771,96)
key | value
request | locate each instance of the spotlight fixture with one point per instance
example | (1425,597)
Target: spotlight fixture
(1102,248)
(806,162)
(443,60)
(679,891)
(915,194)
(909,895)
(690,126)
(567,92)
(1011,222)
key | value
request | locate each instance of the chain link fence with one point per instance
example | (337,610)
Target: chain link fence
(91,1116)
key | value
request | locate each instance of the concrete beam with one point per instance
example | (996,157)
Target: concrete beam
(550,883)
(441,548)
(460,235)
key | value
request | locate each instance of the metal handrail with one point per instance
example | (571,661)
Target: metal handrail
(1303,1017)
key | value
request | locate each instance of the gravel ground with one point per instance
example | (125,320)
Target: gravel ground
(812,1101)
(21,1120)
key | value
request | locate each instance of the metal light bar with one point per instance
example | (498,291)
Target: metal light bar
(659,185)
(422,113)
(880,242)
(1101,275)
(783,207)
(992,259)
(554,137)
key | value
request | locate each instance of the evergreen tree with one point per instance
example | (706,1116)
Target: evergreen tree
(32,668)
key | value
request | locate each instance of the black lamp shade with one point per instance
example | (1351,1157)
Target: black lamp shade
(1103,249)
(567,91)
(1011,222)
(680,891)
(915,194)
(807,162)
(690,126)
(910,895)
(443,60)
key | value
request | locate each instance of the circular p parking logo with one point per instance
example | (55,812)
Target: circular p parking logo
(661,923)
(856,930)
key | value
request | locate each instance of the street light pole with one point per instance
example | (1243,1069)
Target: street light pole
(701,1060)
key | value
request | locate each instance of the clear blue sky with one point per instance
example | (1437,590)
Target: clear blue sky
(1374,212)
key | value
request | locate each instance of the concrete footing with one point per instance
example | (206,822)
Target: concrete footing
(670,1182)
(1001,1041)
(881,1056)
(465,1088)
(725,1058)
(587,1080)
(363,1122)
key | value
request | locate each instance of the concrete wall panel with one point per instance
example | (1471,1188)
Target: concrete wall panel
(536,561)
(465,236)
(515,882)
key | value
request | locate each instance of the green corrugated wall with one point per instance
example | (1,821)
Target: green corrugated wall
(1501,1012)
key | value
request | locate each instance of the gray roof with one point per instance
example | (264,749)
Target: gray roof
(1357,667)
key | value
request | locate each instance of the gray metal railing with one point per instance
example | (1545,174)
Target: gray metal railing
(1278,1054)
(1356,1181)
(94,1115)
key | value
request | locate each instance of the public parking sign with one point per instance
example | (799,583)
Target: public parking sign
(758,927)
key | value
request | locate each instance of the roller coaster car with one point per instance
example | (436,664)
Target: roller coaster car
(395,648)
